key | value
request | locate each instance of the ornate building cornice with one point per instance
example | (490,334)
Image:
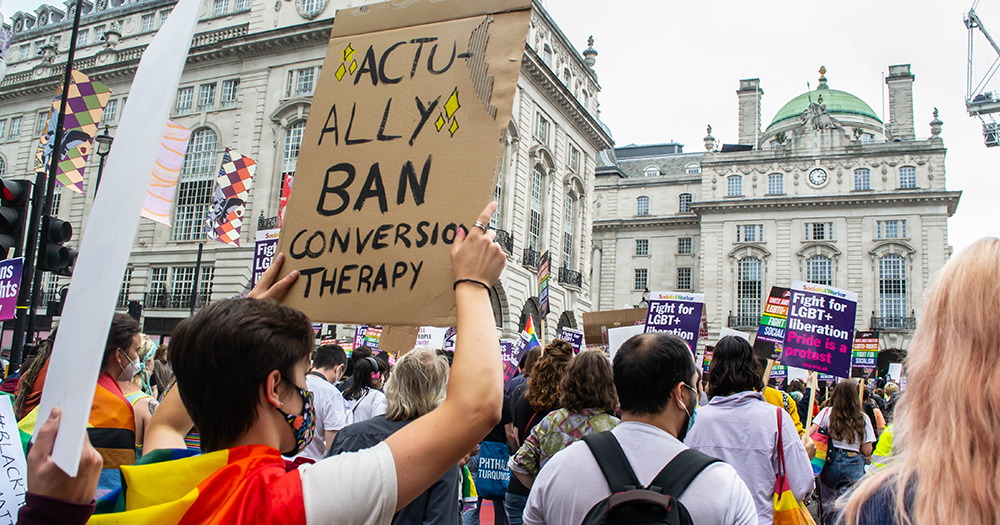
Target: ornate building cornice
(855,200)
(647,222)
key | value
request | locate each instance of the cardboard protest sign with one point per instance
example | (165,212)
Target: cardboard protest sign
(597,324)
(13,480)
(618,336)
(543,284)
(263,252)
(771,329)
(401,150)
(865,356)
(574,337)
(398,340)
(509,358)
(820,329)
(676,313)
(10,286)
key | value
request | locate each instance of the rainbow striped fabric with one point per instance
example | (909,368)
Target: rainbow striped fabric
(530,341)
(238,486)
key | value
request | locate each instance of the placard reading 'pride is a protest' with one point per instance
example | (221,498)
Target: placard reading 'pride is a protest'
(676,313)
(820,328)
(401,151)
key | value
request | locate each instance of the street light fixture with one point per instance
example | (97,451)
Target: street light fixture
(104,141)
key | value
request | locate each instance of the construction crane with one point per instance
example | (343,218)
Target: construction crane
(979,102)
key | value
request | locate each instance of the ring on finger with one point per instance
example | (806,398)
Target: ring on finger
(481,226)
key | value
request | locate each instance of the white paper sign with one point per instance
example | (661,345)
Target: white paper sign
(431,337)
(895,371)
(726,332)
(13,475)
(618,336)
(797,373)
(110,232)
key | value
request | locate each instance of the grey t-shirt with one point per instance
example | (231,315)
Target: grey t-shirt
(571,482)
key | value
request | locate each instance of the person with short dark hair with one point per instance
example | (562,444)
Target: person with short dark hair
(328,363)
(739,427)
(656,382)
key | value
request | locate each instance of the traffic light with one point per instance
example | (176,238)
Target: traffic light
(52,255)
(13,213)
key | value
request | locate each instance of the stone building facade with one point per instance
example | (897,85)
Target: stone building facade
(248,85)
(826,193)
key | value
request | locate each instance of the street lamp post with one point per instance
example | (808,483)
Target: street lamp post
(104,141)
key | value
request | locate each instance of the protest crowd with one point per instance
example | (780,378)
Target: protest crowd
(241,420)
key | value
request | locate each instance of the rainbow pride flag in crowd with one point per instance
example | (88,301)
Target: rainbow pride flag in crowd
(237,486)
(528,339)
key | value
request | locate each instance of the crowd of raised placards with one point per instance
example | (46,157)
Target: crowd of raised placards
(242,420)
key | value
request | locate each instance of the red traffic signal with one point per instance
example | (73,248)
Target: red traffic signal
(13,204)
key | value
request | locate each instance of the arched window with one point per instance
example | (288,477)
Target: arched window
(194,193)
(862,179)
(569,226)
(776,184)
(535,211)
(819,270)
(692,168)
(651,171)
(642,205)
(892,290)
(584,98)
(734,185)
(685,203)
(547,55)
(748,291)
(907,177)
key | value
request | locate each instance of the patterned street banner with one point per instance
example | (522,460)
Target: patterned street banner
(232,188)
(84,109)
(163,184)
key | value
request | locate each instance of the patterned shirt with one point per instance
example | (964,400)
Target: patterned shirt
(557,431)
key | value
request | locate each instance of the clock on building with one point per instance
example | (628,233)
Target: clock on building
(817,177)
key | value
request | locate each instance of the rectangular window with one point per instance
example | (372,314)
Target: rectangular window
(126,288)
(185,97)
(15,128)
(205,282)
(163,16)
(748,291)
(157,292)
(24,52)
(38,47)
(907,177)
(642,247)
(776,184)
(99,34)
(535,211)
(569,225)
(684,278)
(890,229)
(81,37)
(3,128)
(206,96)
(642,206)
(230,91)
(41,123)
(181,284)
(684,245)
(750,233)
(574,159)
(685,203)
(193,200)
(819,231)
(242,5)
(290,83)
(147,22)
(862,179)
(867,138)
(641,279)
(304,82)
(56,200)
(734,186)
(542,129)
(221,7)
(892,290)
(110,112)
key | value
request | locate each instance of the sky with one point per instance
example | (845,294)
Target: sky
(668,69)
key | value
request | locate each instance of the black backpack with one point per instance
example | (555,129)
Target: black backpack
(632,503)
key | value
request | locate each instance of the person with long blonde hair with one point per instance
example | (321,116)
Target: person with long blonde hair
(945,469)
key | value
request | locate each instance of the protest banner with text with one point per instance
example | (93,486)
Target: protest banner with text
(509,358)
(543,284)
(820,329)
(771,329)
(401,150)
(263,252)
(676,313)
(10,286)
(865,357)
(574,337)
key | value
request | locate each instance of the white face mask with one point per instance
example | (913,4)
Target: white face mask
(128,372)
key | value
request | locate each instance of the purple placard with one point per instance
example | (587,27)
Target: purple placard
(359,335)
(10,285)
(509,358)
(263,252)
(574,337)
(820,329)
(676,313)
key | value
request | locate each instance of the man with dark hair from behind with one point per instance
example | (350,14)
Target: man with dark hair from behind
(655,377)
(328,364)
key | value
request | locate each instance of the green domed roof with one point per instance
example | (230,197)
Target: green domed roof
(836,102)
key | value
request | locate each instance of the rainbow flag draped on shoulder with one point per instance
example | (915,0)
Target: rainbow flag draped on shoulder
(238,486)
